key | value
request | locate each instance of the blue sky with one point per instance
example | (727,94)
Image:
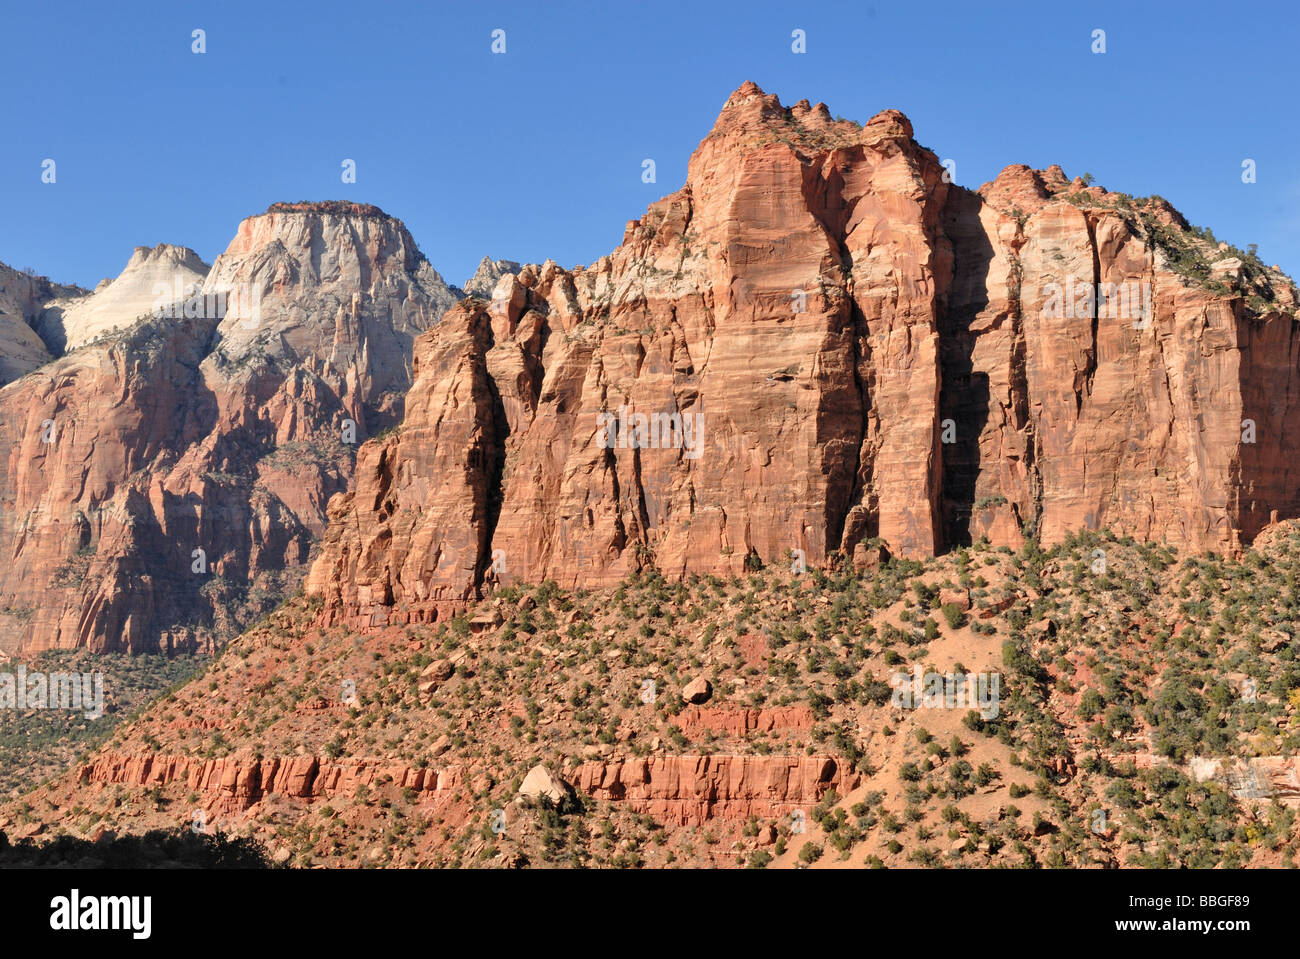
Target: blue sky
(537,153)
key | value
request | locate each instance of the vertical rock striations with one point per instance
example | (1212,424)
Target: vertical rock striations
(817,342)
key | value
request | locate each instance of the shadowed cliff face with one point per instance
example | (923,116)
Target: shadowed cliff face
(1158,406)
(222,425)
(827,343)
(23,297)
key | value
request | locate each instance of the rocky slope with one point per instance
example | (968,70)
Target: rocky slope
(1144,715)
(222,424)
(828,345)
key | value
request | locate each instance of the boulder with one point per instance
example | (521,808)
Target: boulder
(541,782)
(434,675)
(697,691)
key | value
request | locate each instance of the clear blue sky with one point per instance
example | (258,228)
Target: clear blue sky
(537,153)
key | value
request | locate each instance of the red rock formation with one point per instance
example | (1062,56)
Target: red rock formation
(1080,414)
(781,306)
(235,783)
(815,345)
(739,721)
(689,790)
(676,789)
(830,344)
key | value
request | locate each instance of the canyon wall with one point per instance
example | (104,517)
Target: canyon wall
(817,343)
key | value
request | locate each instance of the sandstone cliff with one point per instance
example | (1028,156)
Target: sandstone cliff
(221,426)
(1160,411)
(692,789)
(817,342)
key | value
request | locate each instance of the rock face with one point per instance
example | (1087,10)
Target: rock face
(739,721)
(234,783)
(488,274)
(152,276)
(23,297)
(689,790)
(169,478)
(1158,411)
(816,345)
(680,790)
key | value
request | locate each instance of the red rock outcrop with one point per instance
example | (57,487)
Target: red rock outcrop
(740,721)
(223,425)
(232,784)
(689,790)
(1159,411)
(826,343)
(676,789)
